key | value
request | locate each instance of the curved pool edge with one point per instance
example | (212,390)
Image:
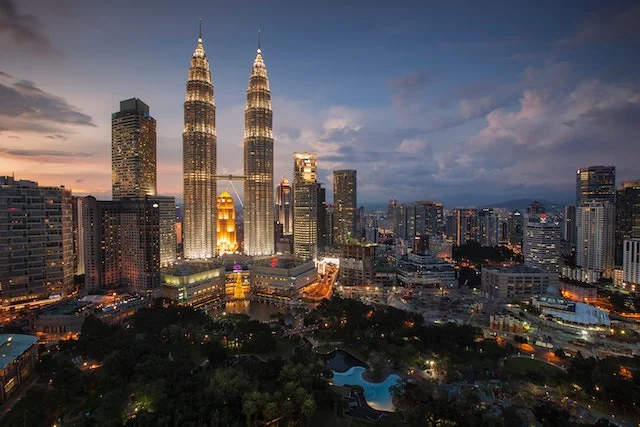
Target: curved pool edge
(377,395)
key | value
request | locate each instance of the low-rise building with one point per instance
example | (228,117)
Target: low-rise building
(578,291)
(17,361)
(425,270)
(554,306)
(281,276)
(193,283)
(516,282)
(357,264)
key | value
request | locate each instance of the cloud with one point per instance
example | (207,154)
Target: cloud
(22,152)
(27,107)
(609,25)
(24,29)
(5,75)
(410,89)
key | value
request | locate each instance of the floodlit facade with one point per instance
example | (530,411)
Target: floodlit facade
(284,206)
(226,224)
(133,151)
(305,206)
(199,160)
(258,163)
(344,202)
(541,240)
(36,241)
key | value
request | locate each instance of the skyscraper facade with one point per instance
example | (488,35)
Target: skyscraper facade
(258,163)
(199,145)
(305,206)
(36,241)
(284,206)
(569,229)
(541,240)
(631,264)
(595,183)
(344,202)
(595,236)
(627,215)
(226,224)
(488,232)
(133,151)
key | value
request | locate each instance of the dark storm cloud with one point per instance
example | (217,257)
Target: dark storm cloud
(411,89)
(606,27)
(24,29)
(3,74)
(25,101)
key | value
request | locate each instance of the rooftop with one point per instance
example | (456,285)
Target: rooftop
(520,269)
(188,268)
(12,346)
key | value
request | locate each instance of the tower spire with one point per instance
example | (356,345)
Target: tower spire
(259,51)
(200,31)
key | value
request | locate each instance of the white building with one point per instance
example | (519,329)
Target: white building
(595,223)
(631,263)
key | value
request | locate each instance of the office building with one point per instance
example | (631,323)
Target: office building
(36,241)
(541,240)
(515,227)
(78,238)
(193,283)
(284,206)
(133,151)
(595,236)
(199,152)
(595,184)
(344,203)
(423,269)
(305,206)
(627,215)
(569,227)
(226,224)
(258,163)
(323,234)
(517,282)
(631,264)
(430,218)
(281,277)
(19,354)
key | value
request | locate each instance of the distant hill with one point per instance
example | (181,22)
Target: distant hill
(522,204)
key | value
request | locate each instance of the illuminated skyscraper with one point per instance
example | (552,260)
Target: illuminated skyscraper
(595,226)
(305,206)
(595,184)
(199,160)
(258,163)
(133,151)
(344,201)
(227,242)
(284,206)
(541,239)
(627,215)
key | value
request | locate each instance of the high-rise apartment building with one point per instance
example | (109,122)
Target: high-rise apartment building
(344,202)
(305,206)
(462,226)
(631,263)
(488,231)
(36,241)
(226,224)
(124,243)
(258,163)
(596,184)
(627,215)
(323,234)
(133,151)
(595,236)
(515,227)
(199,145)
(284,206)
(541,240)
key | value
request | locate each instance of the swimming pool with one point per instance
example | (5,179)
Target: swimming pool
(377,395)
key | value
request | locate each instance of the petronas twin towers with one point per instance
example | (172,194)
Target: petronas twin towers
(200,156)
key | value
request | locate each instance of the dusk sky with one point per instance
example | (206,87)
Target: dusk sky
(463,102)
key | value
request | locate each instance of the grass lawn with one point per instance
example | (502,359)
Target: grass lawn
(522,366)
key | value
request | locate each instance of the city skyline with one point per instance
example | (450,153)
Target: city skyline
(536,107)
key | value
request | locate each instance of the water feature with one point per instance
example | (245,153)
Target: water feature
(341,361)
(377,395)
(261,311)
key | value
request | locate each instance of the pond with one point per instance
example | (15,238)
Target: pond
(377,395)
(261,311)
(341,361)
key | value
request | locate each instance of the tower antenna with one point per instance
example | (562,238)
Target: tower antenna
(259,51)
(200,30)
